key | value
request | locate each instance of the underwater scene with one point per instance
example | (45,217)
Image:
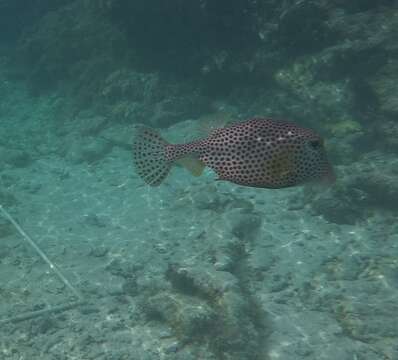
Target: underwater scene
(204,179)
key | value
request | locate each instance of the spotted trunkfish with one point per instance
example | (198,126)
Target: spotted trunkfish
(259,152)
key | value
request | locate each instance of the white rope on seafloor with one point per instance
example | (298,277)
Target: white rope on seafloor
(52,266)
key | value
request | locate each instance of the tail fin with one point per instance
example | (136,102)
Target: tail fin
(149,155)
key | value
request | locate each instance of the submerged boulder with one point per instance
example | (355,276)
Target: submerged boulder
(360,189)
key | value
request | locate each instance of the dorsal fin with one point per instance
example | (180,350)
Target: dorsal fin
(210,123)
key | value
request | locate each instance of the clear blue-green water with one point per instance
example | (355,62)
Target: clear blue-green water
(195,268)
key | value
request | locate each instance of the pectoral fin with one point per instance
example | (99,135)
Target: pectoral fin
(282,164)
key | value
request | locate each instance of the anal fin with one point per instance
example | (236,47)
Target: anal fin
(192,164)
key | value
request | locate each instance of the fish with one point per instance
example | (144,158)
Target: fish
(259,152)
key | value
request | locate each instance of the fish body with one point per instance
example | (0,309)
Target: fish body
(259,152)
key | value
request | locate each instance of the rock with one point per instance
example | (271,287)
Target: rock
(211,199)
(124,269)
(15,157)
(88,150)
(361,187)
(4,251)
(329,99)
(130,84)
(99,251)
(299,332)
(340,204)
(177,108)
(196,280)
(92,125)
(130,287)
(7,199)
(385,86)
(386,131)
(43,325)
(369,318)
(303,27)
(6,229)
(246,224)
(119,135)
(238,323)
(189,317)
